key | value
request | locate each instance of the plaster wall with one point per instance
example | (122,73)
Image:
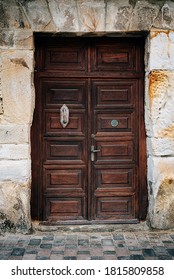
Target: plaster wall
(18,21)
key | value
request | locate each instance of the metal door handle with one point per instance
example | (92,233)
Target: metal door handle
(93,151)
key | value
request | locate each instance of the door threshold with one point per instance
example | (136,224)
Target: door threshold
(97,227)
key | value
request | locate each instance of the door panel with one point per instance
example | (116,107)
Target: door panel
(111,208)
(65,208)
(119,179)
(113,93)
(58,179)
(113,57)
(114,123)
(62,152)
(92,170)
(77,125)
(114,151)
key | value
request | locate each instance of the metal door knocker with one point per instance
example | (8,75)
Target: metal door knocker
(64,116)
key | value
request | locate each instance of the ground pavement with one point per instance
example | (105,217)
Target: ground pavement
(139,245)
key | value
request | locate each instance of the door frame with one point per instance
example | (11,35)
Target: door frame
(36,187)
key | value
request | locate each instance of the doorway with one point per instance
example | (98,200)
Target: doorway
(88,137)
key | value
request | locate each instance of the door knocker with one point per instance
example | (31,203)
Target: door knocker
(64,116)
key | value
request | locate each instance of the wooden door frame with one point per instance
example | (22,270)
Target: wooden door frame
(35,151)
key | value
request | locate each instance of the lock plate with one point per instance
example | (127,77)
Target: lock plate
(114,123)
(64,116)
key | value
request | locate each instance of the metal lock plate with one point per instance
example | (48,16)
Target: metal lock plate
(114,123)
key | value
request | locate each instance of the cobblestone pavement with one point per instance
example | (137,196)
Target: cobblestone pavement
(88,246)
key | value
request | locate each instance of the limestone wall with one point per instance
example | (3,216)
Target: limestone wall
(19,19)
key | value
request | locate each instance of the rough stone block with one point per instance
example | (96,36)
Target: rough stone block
(16,39)
(144,14)
(38,15)
(161,192)
(1,100)
(17,86)
(14,134)
(14,151)
(15,170)
(65,15)
(161,50)
(162,214)
(15,207)
(161,100)
(165,18)
(11,16)
(160,146)
(91,15)
(6,38)
(118,15)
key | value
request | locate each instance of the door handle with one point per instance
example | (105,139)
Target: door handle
(93,151)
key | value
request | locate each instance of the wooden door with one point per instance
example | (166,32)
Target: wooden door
(94,169)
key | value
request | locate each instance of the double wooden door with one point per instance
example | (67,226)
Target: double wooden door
(88,148)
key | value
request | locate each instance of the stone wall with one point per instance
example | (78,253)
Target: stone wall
(19,19)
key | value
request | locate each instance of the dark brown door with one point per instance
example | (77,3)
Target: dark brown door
(93,169)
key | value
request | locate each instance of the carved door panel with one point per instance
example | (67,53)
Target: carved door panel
(92,169)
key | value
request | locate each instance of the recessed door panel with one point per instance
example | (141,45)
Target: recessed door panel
(76,125)
(114,93)
(61,151)
(114,151)
(120,179)
(72,92)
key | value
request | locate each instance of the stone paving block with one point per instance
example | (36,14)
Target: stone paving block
(96,244)
(109,257)
(70,246)
(121,245)
(57,252)
(83,252)
(123,257)
(15,257)
(172,236)
(122,251)
(46,246)
(4,257)
(42,258)
(31,252)
(70,252)
(29,257)
(83,242)
(96,252)
(107,242)
(34,242)
(134,248)
(136,257)
(72,237)
(83,257)
(168,243)
(159,250)
(109,252)
(44,252)
(148,252)
(97,258)
(164,257)
(48,238)
(59,241)
(18,252)
(171,252)
(118,237)
(70,258)
(56,257)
